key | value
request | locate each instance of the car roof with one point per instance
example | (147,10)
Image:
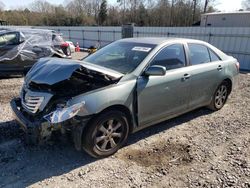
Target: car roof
(159,40)
(5,30)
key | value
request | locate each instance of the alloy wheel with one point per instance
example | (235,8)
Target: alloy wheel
(109,135)
(221,96)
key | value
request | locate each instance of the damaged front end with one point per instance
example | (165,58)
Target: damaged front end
(44,104)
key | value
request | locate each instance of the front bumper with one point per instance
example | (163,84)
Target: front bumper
(34,129)
(39,131)
(24,122)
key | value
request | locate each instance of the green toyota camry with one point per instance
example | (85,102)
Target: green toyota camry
(124,87)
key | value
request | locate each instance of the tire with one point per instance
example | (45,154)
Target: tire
(220,96)
(68,51)
(106,134)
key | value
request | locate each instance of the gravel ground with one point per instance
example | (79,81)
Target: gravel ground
(199,149)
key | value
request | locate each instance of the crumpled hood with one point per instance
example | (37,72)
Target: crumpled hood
(51,70)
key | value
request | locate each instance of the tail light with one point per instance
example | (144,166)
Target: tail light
(65,44)
(237,66)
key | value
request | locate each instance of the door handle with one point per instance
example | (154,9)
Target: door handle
(219,68)
(186,77)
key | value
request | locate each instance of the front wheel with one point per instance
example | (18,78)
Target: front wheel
(220,97)
(106,134)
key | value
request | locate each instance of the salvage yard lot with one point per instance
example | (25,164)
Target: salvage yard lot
(199,149)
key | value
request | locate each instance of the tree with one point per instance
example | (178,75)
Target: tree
(93,12)
(114,16)
(2,5)
(207,5)
(143,15)
(103,12)
(42,6)
(246,4)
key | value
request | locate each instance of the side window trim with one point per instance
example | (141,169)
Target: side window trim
(187,54)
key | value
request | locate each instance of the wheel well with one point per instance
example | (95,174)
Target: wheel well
(229,84)
(123,109)
(55,55)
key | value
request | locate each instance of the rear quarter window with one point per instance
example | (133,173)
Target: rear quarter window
(213,56)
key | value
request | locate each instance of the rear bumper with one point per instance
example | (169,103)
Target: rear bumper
(235,82)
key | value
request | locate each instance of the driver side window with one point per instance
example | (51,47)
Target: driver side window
(2,40)
(9,39)
(171,57)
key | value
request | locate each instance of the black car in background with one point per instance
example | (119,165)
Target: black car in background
(20,49)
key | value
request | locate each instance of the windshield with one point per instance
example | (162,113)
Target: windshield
(120,56)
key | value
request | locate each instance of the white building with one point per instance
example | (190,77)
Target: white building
(226,19)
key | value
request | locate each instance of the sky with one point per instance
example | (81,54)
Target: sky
(222,5)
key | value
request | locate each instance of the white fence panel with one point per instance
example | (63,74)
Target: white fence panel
(234,41)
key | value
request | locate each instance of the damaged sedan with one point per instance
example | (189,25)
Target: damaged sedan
(124,87)
(21,48)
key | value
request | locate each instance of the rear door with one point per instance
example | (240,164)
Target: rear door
(162,96)
(206,73)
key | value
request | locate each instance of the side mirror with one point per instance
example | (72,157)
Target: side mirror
(21,38)
(155,70)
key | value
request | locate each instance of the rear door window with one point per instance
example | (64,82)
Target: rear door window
(198,54)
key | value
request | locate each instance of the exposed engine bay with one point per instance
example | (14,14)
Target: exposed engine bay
(81,81)
(57,82)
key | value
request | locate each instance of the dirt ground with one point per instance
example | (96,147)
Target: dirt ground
(198,149)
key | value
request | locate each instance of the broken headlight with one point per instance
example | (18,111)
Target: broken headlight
(62,114)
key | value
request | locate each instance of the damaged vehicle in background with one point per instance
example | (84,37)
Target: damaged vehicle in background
(122,88)
(20,49)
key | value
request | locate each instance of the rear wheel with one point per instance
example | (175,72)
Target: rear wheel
(106,134)
(220,96)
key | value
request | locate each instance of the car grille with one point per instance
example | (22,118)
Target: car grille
(31,103)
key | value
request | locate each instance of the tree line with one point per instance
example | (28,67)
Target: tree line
(101,12)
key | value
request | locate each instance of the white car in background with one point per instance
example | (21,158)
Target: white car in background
(71,46)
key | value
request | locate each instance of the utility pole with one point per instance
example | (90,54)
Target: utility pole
(205,6)
(194,10)
(171,12)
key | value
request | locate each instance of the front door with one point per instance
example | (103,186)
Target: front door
(160,97)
